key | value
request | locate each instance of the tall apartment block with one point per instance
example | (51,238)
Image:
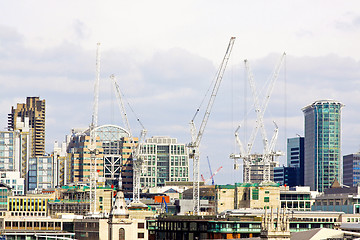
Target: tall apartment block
(351,169)
(322,144)
(32,111)
(165,160)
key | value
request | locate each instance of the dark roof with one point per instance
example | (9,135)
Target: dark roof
(5,185)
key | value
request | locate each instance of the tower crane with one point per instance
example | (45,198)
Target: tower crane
(268,148)
(212,179)
(196,138)
(135,150)
(92,146)
(213,175)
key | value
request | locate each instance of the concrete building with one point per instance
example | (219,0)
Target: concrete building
(8,159)
(297,198)
(61,165)
(322,144)
(34,205)
(165,160)
(40,173)
(15,150)
(33,228)
(246,195)
(339,199)
(76,200)
(13,180)
(5,192)
(80,157)
(257,168)
(34,112)
(114,158)
(234,224)
(351,169)
(116,152)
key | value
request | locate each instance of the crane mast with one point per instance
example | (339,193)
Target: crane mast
(196,139)
(92,145)
(135,150)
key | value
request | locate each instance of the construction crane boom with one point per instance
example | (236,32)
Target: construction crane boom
(135,150)
(212,179)
(268,153)
(196,139)
(260,110)
(213,175)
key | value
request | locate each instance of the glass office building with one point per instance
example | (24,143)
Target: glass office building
(322,144)
(164,160)
(351,169)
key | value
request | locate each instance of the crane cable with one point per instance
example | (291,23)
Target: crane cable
(132,110)
(206,94)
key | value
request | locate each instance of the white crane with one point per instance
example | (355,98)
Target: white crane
(135,150)
(92,146)
(268,152)
(196,139)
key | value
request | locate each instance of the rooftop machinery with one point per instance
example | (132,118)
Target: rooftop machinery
(269,152)
(135,149)
(196,138)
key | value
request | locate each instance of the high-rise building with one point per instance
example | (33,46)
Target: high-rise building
(164,160)
(61,165)
(287,176)
(114,158)
(80,157)
(293,174)
(322,144)
(40,175)
(351,169)
(32,111)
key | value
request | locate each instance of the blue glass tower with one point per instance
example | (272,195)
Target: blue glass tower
(322,144)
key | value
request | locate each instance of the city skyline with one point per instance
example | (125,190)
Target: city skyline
(166,66)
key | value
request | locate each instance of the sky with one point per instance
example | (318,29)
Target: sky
(165,55)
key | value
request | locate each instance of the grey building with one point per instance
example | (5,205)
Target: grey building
(322,144)
(339,199)
(293,174)
(351,169)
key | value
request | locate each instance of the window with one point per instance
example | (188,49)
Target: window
(141,225)
(266,199)
(255,194)
(141,235)
(121,234)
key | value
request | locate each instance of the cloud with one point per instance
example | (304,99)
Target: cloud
(166,87)
(349,22)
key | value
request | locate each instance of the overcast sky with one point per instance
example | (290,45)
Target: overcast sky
(165,54)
